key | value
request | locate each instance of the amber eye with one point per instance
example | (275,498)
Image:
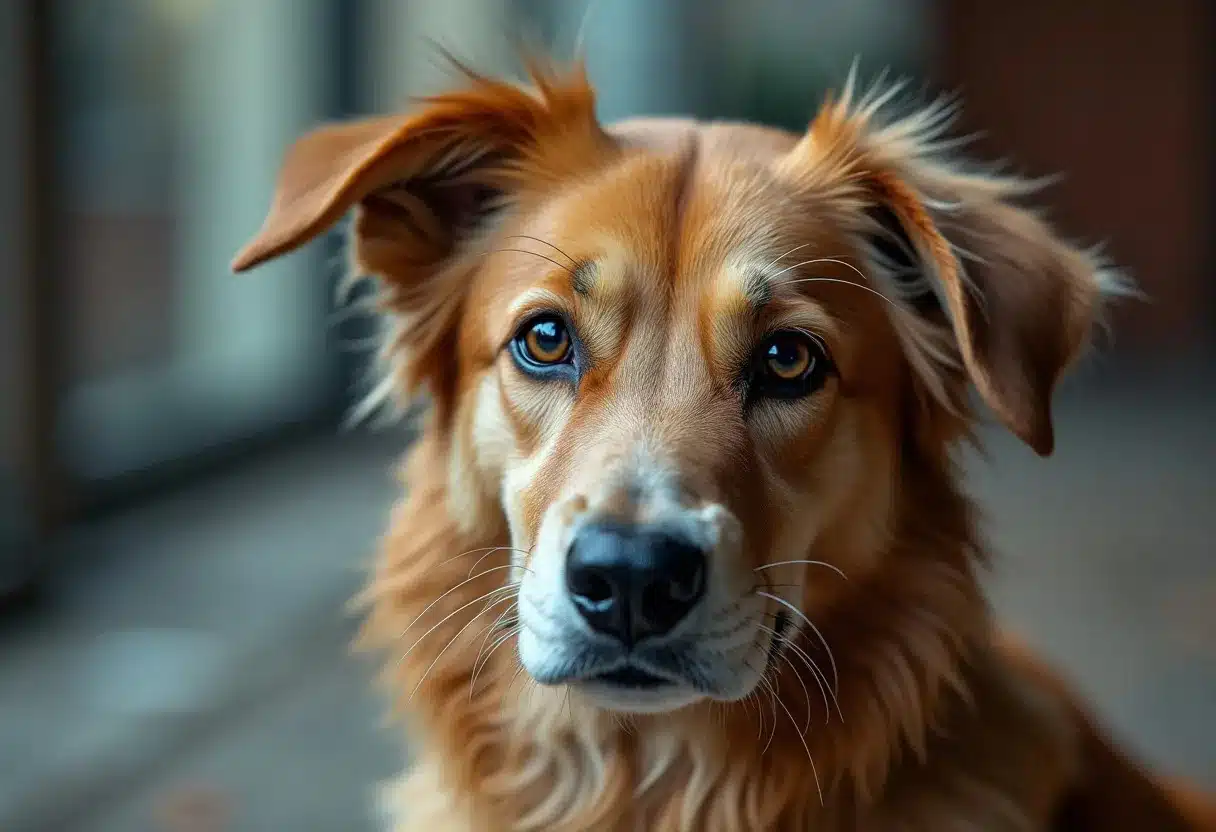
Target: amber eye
(545,341)
(790,364)
(788,357)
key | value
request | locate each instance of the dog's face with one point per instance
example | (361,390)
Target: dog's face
(675,398)
(686,363)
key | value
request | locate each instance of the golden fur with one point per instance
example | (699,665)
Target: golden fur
(496,199)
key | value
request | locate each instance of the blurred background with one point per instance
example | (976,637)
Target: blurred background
(182,520)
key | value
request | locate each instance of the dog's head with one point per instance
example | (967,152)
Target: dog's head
(689,364)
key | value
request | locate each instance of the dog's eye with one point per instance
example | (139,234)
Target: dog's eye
(544,341)
(790,364)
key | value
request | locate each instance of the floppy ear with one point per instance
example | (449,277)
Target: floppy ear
(422,185)
(438,166)
(1020,300)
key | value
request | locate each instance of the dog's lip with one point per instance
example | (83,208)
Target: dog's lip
(631,676)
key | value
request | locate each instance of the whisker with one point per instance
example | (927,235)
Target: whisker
(515,675)
(806,693)
(772,705)
(873,292)
(573,262)
(781,257)
(490,549)
(833,260)
(477,562)
(485,639)
(826,689)
(811,624)
(508,588)
(535,254)
(810,714)
(802,738)
(821,679)
(753,696)
(502,639)
(497,624)
(835,569)
(894,305)
(526,686)
(439,656)
(449,592)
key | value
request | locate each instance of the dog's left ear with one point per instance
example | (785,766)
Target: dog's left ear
(1021,301)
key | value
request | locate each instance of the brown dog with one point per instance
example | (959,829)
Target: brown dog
(684,545)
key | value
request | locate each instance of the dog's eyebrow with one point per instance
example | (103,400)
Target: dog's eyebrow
(743,287)
(583,278)
(757,288)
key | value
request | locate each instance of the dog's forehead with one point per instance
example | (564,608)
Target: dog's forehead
(691,207)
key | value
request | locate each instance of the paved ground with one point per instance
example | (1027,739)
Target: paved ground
(200,643)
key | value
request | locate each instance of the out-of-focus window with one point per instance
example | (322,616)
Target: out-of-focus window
(172,117)
(398,46)
(766,62)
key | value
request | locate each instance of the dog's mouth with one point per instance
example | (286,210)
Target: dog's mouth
(631,677)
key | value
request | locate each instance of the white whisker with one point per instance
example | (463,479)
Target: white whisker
(805,693)
(893,304)
(502,639)
(449,592)
(781,257)
(772,702)
(835,569)
(802,738)
(837,261)
(439,656)
(485,597)
(477,562)
(485,639)
(489,549)
(753,696)
(821,679)
(811,624)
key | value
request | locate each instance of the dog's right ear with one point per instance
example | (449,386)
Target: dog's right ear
(426,178)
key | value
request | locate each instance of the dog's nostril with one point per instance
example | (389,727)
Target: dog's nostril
(591,585)
(676,583)
(674,589)
(687,587)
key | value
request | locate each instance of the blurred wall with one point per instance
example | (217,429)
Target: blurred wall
(1118,95)
(13,262)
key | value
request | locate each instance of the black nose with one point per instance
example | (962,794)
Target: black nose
(632,582)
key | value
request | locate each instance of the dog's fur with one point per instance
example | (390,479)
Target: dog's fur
(673,245)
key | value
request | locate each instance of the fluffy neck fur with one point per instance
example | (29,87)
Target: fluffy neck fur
(499,747)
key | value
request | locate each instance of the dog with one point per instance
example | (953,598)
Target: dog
(684,544)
